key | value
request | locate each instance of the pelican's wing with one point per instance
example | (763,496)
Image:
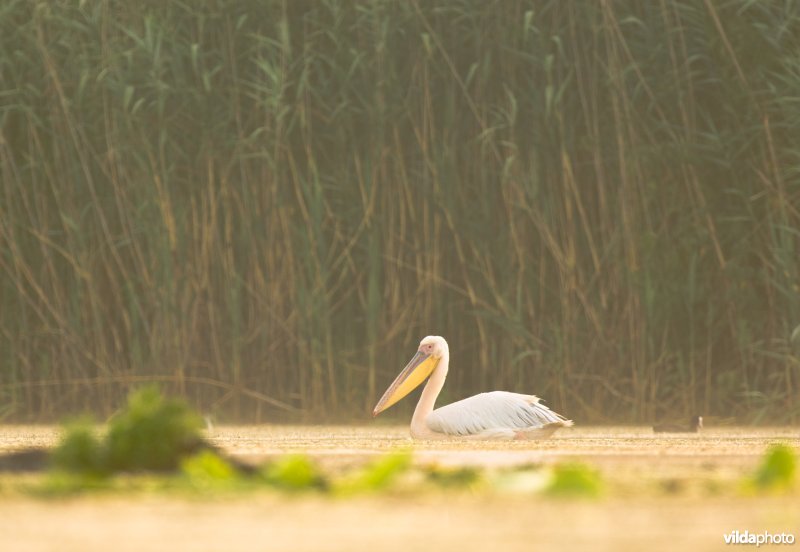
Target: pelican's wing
(495,410)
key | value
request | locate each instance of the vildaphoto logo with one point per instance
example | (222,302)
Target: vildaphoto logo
(746,537)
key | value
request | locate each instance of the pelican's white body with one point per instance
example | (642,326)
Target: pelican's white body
(495,415)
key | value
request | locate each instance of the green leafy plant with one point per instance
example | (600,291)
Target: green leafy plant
(79,450)
(207,470)
(294,472)
(151,433)
(778,469)
(378,475)
(574,480)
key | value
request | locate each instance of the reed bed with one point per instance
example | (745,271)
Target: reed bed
(265,205)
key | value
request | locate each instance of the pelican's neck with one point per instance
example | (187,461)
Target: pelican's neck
(429,394)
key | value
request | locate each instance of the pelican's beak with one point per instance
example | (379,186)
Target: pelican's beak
(415,372)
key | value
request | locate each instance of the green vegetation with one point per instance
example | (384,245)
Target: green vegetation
(150,433)
(574,480)
(265,204)
(80,451)
(379,475)
(207,471)
(294,473)
(778,470)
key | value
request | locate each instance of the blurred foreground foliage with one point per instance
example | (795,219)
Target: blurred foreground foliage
(778,470)
(575,480)
(151,432)
(154,444)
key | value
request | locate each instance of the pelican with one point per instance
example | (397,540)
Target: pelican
(495,415)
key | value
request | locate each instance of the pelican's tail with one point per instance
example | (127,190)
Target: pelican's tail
(560,421)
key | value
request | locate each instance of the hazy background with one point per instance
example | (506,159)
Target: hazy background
(260,201)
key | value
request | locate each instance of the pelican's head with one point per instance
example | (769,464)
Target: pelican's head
(430,352)
(434,345)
